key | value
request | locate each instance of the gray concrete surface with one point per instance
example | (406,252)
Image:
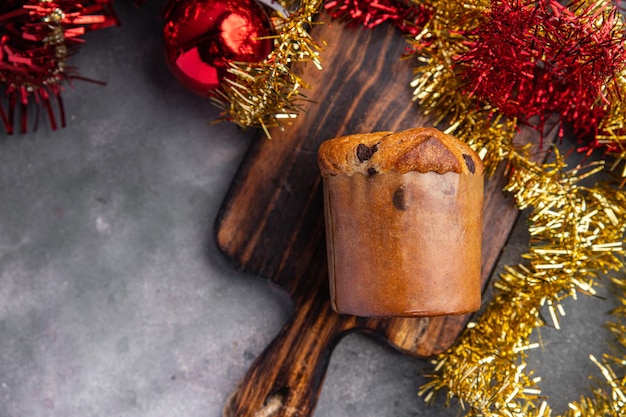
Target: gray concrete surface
(114,300)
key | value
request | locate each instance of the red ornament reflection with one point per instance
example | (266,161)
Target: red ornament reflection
(202,36)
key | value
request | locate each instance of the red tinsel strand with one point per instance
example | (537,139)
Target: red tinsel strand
(533,58)
(408,16)
(36,39)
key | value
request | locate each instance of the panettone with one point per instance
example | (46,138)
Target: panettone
(403,223)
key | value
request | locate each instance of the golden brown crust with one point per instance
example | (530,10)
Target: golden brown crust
(419,149)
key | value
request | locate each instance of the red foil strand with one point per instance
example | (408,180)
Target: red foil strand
(36,40)
(409,17)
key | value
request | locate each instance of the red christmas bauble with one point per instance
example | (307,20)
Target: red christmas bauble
(202,36)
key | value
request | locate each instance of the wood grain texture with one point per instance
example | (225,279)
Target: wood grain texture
(271,222)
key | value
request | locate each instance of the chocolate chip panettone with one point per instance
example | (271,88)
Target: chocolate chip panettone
(403,223)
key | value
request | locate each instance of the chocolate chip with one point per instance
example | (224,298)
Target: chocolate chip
(364,152)
(470,163)
(399,199)
(372,171)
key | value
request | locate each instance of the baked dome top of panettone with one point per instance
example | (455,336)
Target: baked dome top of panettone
(422,149)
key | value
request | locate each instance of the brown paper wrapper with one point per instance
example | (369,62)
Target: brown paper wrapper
(404,244)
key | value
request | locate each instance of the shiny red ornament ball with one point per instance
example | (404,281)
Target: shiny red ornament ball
(202,36)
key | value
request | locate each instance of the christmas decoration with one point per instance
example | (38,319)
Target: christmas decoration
(561,60)
(202,36)
(265,93)
(37,39)
(532,59)
(409,17)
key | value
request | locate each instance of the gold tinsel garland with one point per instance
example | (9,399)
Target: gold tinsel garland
(612,130)
(577,233)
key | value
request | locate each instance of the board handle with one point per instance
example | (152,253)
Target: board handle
(286,379)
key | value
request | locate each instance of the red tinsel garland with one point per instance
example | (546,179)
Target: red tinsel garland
(408,16)
(531,59)
(36,39)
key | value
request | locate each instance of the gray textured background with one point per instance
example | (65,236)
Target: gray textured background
(114,300)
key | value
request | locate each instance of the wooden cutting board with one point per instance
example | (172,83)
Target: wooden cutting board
(271,222)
